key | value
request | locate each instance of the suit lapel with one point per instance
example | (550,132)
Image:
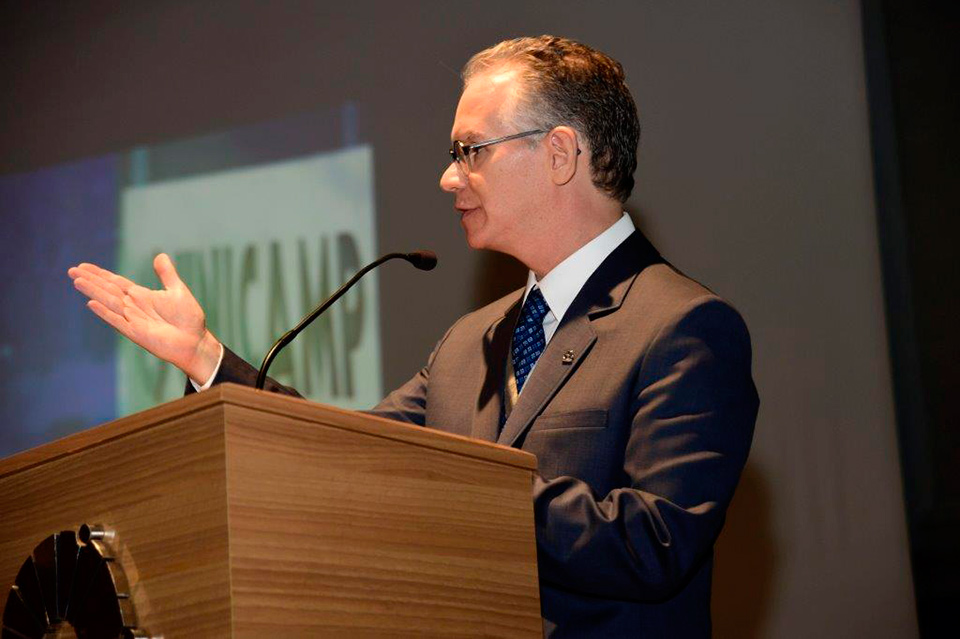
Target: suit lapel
(496,346)
(603,293)
(576,337)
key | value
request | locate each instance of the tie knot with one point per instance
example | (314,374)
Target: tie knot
(535,307)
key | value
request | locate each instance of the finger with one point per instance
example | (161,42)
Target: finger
(113,319)
(93,269)
(84,272)
(94,291)
(119,281)
(84,267)
(95,272)
(104,283)
(166,271)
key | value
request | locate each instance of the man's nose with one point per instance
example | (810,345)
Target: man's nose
(451,180)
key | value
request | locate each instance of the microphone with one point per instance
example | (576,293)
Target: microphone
(422,260)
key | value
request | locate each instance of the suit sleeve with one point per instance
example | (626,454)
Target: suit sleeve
(694,408)
(406,404)
(409,402)
(235,369)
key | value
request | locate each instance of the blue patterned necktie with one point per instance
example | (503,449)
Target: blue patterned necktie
(528,337)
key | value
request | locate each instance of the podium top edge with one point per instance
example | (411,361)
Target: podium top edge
(301,409)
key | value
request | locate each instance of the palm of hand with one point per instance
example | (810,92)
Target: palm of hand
(169,323)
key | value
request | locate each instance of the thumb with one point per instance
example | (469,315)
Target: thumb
(165,270)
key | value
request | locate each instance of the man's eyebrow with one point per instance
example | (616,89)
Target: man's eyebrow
(469,136)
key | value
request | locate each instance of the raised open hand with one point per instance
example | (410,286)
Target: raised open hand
(168,323)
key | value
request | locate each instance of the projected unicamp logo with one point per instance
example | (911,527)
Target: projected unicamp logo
(260,246)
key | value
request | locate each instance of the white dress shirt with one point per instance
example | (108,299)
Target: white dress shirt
(562,284)
(202,387)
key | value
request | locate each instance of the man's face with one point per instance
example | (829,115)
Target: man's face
(498,200)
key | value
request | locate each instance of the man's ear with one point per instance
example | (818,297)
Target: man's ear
(564,149)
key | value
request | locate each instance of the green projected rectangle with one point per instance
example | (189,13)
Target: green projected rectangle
(260,246)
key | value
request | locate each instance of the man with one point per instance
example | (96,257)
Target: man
(630,382)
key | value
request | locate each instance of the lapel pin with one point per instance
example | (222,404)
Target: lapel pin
(567,358)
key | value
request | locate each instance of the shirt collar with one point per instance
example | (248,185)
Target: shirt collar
(562,284)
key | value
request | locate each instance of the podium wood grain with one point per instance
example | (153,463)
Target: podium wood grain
(244,514)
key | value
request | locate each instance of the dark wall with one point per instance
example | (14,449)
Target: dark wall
(913,59)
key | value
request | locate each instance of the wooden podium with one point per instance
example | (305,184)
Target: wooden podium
(240,513)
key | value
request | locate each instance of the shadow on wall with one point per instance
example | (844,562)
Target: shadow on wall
(744,562)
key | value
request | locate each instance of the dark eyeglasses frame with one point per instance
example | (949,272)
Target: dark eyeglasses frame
(460,152)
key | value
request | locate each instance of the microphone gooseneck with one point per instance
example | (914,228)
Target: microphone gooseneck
(422,260)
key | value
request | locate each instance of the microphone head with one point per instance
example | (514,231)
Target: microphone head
(423,260)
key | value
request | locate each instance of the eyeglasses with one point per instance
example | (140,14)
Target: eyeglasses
(463,154)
